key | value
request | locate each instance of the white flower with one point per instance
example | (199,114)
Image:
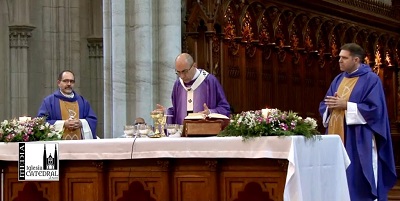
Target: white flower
(240,120)
(50,134)
(19,129)
(14,122)
(4,123)
(311,121)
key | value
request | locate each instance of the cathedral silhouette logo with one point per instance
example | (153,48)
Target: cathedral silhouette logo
(38,161)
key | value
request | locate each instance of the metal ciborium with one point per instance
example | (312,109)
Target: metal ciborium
(159,121)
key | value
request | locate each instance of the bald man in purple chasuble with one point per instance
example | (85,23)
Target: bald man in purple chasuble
(194,91)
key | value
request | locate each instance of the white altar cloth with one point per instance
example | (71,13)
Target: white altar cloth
(316,168)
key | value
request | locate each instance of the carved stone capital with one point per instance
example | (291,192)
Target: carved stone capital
(19,35)
(95,45)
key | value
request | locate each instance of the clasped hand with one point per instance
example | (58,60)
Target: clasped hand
(72,124)
(335,102)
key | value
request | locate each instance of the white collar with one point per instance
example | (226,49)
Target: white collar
(354,71)
(196,75)
(67,95)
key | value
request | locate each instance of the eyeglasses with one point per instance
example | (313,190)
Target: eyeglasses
(183,71)
(70,81)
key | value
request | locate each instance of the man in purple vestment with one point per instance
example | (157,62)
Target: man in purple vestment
(69,111)
(355,108)
(194,91)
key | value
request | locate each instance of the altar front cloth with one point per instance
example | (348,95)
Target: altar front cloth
(316,170)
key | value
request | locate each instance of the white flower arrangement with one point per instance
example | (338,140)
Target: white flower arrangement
(36,129)
(270,122)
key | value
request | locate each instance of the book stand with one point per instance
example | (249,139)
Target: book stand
(203,127)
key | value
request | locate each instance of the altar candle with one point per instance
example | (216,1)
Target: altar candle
(24,119)
(265,112)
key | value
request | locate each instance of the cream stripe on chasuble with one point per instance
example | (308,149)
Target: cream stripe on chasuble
(190,90)
(336,122)
(70,110)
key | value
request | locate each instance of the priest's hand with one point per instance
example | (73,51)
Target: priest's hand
(336,102)
(206,111)
(72,124)
(159,108)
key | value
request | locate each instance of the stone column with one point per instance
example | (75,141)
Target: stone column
(5,110)
(20,31)
(61,30)
(141,90)
(107,107)
(96,80)
(119,60)
(114,23)
(142,60)
(169,46)
(19,35)
(95,72)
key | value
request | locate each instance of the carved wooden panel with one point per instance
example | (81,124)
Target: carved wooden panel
(195,179)
(155,180)
(255,191)
(192,187)
(259,179)
(27,191)
(82,180)
(245,188)
(81,188)
(137,191)
(138,180)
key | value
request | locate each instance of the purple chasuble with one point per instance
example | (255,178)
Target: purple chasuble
(50,109)
(209,91)
(370,98)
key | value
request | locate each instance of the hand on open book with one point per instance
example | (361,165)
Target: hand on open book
(206,111)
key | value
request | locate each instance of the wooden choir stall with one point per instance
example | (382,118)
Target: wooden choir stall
(187,169)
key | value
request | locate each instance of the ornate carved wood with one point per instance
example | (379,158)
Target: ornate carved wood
(270,47)
(30,192)
(284,54)
(154,179)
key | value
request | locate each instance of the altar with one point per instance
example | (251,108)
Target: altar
(182,169)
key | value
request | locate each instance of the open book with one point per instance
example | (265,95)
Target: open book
(203,116)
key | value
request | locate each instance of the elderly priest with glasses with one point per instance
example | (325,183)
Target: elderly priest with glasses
(69,111)
(195,91)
